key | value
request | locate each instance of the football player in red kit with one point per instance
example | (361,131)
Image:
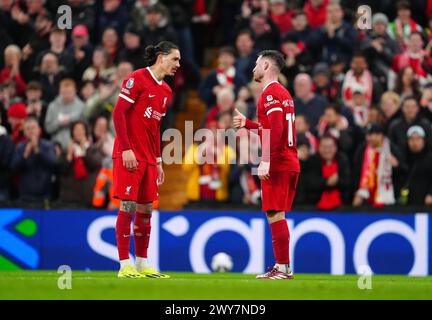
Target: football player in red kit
(279,167)
(137,162)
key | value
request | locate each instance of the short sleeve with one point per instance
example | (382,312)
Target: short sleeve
(272,103)
(130,89)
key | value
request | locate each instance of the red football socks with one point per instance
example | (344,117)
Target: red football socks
(123,234)
(142,229)
(280,240)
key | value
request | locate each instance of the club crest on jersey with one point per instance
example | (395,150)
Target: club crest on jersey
(148,112)
(269,97)
(128,189)
(130,83)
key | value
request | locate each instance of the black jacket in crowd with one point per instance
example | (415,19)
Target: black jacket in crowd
(419,178)
(35,171)
(398,129)
(315,184)
(6,152)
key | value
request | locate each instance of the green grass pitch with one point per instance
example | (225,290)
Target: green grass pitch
(184,286)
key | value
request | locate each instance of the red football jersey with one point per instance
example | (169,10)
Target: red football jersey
(276,98)
(150,98)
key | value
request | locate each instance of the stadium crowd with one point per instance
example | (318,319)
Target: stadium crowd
(362,94)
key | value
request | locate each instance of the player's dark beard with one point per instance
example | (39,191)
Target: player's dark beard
(257,79)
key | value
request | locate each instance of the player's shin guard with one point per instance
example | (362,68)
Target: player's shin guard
(123,231)
(142,230)
(280,240)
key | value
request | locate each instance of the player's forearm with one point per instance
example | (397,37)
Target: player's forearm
(271,141)
(119,117)
(249,124)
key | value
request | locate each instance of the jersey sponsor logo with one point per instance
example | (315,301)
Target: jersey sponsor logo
(157,115)
(148,112)
(152,95)
(269,97)
(130,83)
(125,90)
(268,104)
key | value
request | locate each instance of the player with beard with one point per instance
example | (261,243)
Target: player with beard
(279,168)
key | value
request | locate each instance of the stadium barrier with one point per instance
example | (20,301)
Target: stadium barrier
(335,243)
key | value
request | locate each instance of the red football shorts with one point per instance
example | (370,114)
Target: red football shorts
(139,185)
(277,192)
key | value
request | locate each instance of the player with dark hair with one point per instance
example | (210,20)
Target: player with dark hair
(279,168)
(137,162)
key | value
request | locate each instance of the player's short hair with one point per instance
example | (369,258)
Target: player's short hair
(275,56)
(152,52)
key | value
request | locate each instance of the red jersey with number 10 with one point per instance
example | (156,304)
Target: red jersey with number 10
(276,98)
(150,98)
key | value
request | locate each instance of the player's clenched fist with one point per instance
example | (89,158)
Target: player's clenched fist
(239,120)
(129,160)
(263,170)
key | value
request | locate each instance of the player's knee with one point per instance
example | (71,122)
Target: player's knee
(273,216)
(145,208)
(128,206)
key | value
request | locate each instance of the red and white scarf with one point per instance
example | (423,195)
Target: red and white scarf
(351,81)
(225,77)
(376,183)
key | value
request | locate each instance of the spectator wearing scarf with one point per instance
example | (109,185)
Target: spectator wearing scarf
(379,163)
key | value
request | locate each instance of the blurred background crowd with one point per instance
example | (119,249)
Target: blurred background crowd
(363,96)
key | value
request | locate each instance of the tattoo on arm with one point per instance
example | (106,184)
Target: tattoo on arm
(128,206)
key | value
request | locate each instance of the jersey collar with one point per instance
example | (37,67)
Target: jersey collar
(159,82)
(274,81)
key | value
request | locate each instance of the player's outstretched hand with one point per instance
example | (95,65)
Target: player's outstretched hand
(129,160)
(239,120)
(161,175)
(263,170)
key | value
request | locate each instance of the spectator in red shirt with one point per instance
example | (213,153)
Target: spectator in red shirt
(413,56)
(316,12)
(17,113)
(328,176)
(224,102)
(11,71)
(280,15)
